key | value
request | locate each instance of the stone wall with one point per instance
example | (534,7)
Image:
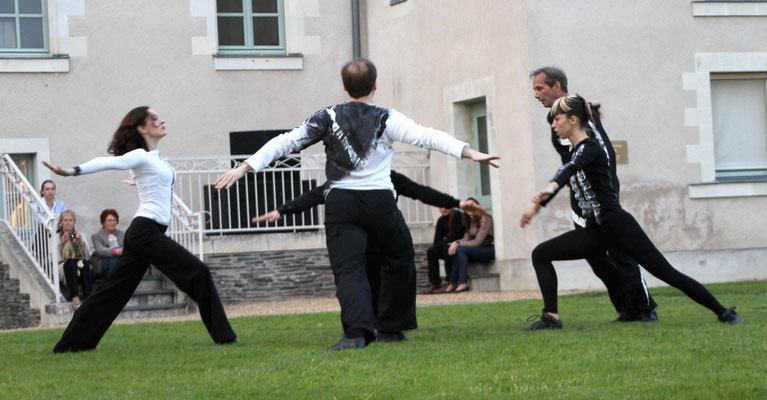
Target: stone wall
(266,276)
(15,311)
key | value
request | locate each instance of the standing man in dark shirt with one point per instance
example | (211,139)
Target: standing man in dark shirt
(449,229)
(619,272)
(359,197)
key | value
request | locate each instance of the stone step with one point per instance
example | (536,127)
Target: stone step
(151,297)
(490,282)
(150,282)
(152,311)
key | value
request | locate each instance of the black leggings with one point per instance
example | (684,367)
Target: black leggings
(146,243)
(619,230)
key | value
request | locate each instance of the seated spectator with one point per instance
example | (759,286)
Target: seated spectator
(73,253)
(449,229)
(48,193)
(107,243)
(476,245)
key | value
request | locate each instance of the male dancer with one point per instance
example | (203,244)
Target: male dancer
(375,262)
(619,272)
(359,199)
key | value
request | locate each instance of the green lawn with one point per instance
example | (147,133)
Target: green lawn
(460,351)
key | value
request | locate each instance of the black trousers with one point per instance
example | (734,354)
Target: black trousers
(623,279)
(433,255)
(352,217)
(619,231)
(74,281)
(145,243)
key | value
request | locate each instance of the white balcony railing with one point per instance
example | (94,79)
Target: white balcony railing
(231,210)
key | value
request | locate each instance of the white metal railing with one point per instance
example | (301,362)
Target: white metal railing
(186,226)
(231,210)
(31,221)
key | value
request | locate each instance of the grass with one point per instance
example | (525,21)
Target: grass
(460,351)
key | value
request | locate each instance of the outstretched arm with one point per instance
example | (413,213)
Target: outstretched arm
(301,203)
(305,135)
(403,129)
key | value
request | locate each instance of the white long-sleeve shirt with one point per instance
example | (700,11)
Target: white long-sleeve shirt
(358,140)
(154,180)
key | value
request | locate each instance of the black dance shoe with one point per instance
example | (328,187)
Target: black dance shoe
(348,343)
(625,316)
(384,337)
(731,317)
(546,322)
(651,316)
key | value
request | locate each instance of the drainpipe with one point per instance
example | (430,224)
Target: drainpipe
(356,28)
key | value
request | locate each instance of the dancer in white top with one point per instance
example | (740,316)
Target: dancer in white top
(360,200)
(135,148)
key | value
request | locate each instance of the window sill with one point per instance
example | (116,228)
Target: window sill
(54,64)
(729,9)
(236,62)
(730,188)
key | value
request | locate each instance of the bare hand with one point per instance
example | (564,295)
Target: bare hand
(228,179)
(528,215)
(471,205)
(271,216)
(78,237)
(479,157)
(119,251)
(545,193)
(452,249)
(59,170)
(129,181)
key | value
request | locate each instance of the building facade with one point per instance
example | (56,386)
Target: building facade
(682,85)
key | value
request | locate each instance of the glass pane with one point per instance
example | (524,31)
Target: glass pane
(229,6)
(231,31)
(6,7)
(484,169)
(31,33)
(740,123)
(263,6)
(7,33)
(30,7)
(266,31)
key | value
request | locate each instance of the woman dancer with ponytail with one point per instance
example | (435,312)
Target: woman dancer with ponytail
(135,147)
(608,226)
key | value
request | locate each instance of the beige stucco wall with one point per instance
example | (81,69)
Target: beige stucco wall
(635,67)
(432,54)
(135,53)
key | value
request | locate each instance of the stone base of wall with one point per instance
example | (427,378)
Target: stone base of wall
(277,275)
(15,311)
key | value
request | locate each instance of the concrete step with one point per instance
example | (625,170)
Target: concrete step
(490,282)
(151,297)
(152,311)
(150,282)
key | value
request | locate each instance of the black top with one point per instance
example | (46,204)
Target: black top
(591,181)
(449,228)
(565,151)
(402,185)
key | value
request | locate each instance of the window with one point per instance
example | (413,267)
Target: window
(739,107)
(250,26)
(23,28)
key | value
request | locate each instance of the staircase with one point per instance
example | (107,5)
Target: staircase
(156,297)
(16,311)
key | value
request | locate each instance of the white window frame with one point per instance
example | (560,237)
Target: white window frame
(701,117)
(249,48)
(19,52)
